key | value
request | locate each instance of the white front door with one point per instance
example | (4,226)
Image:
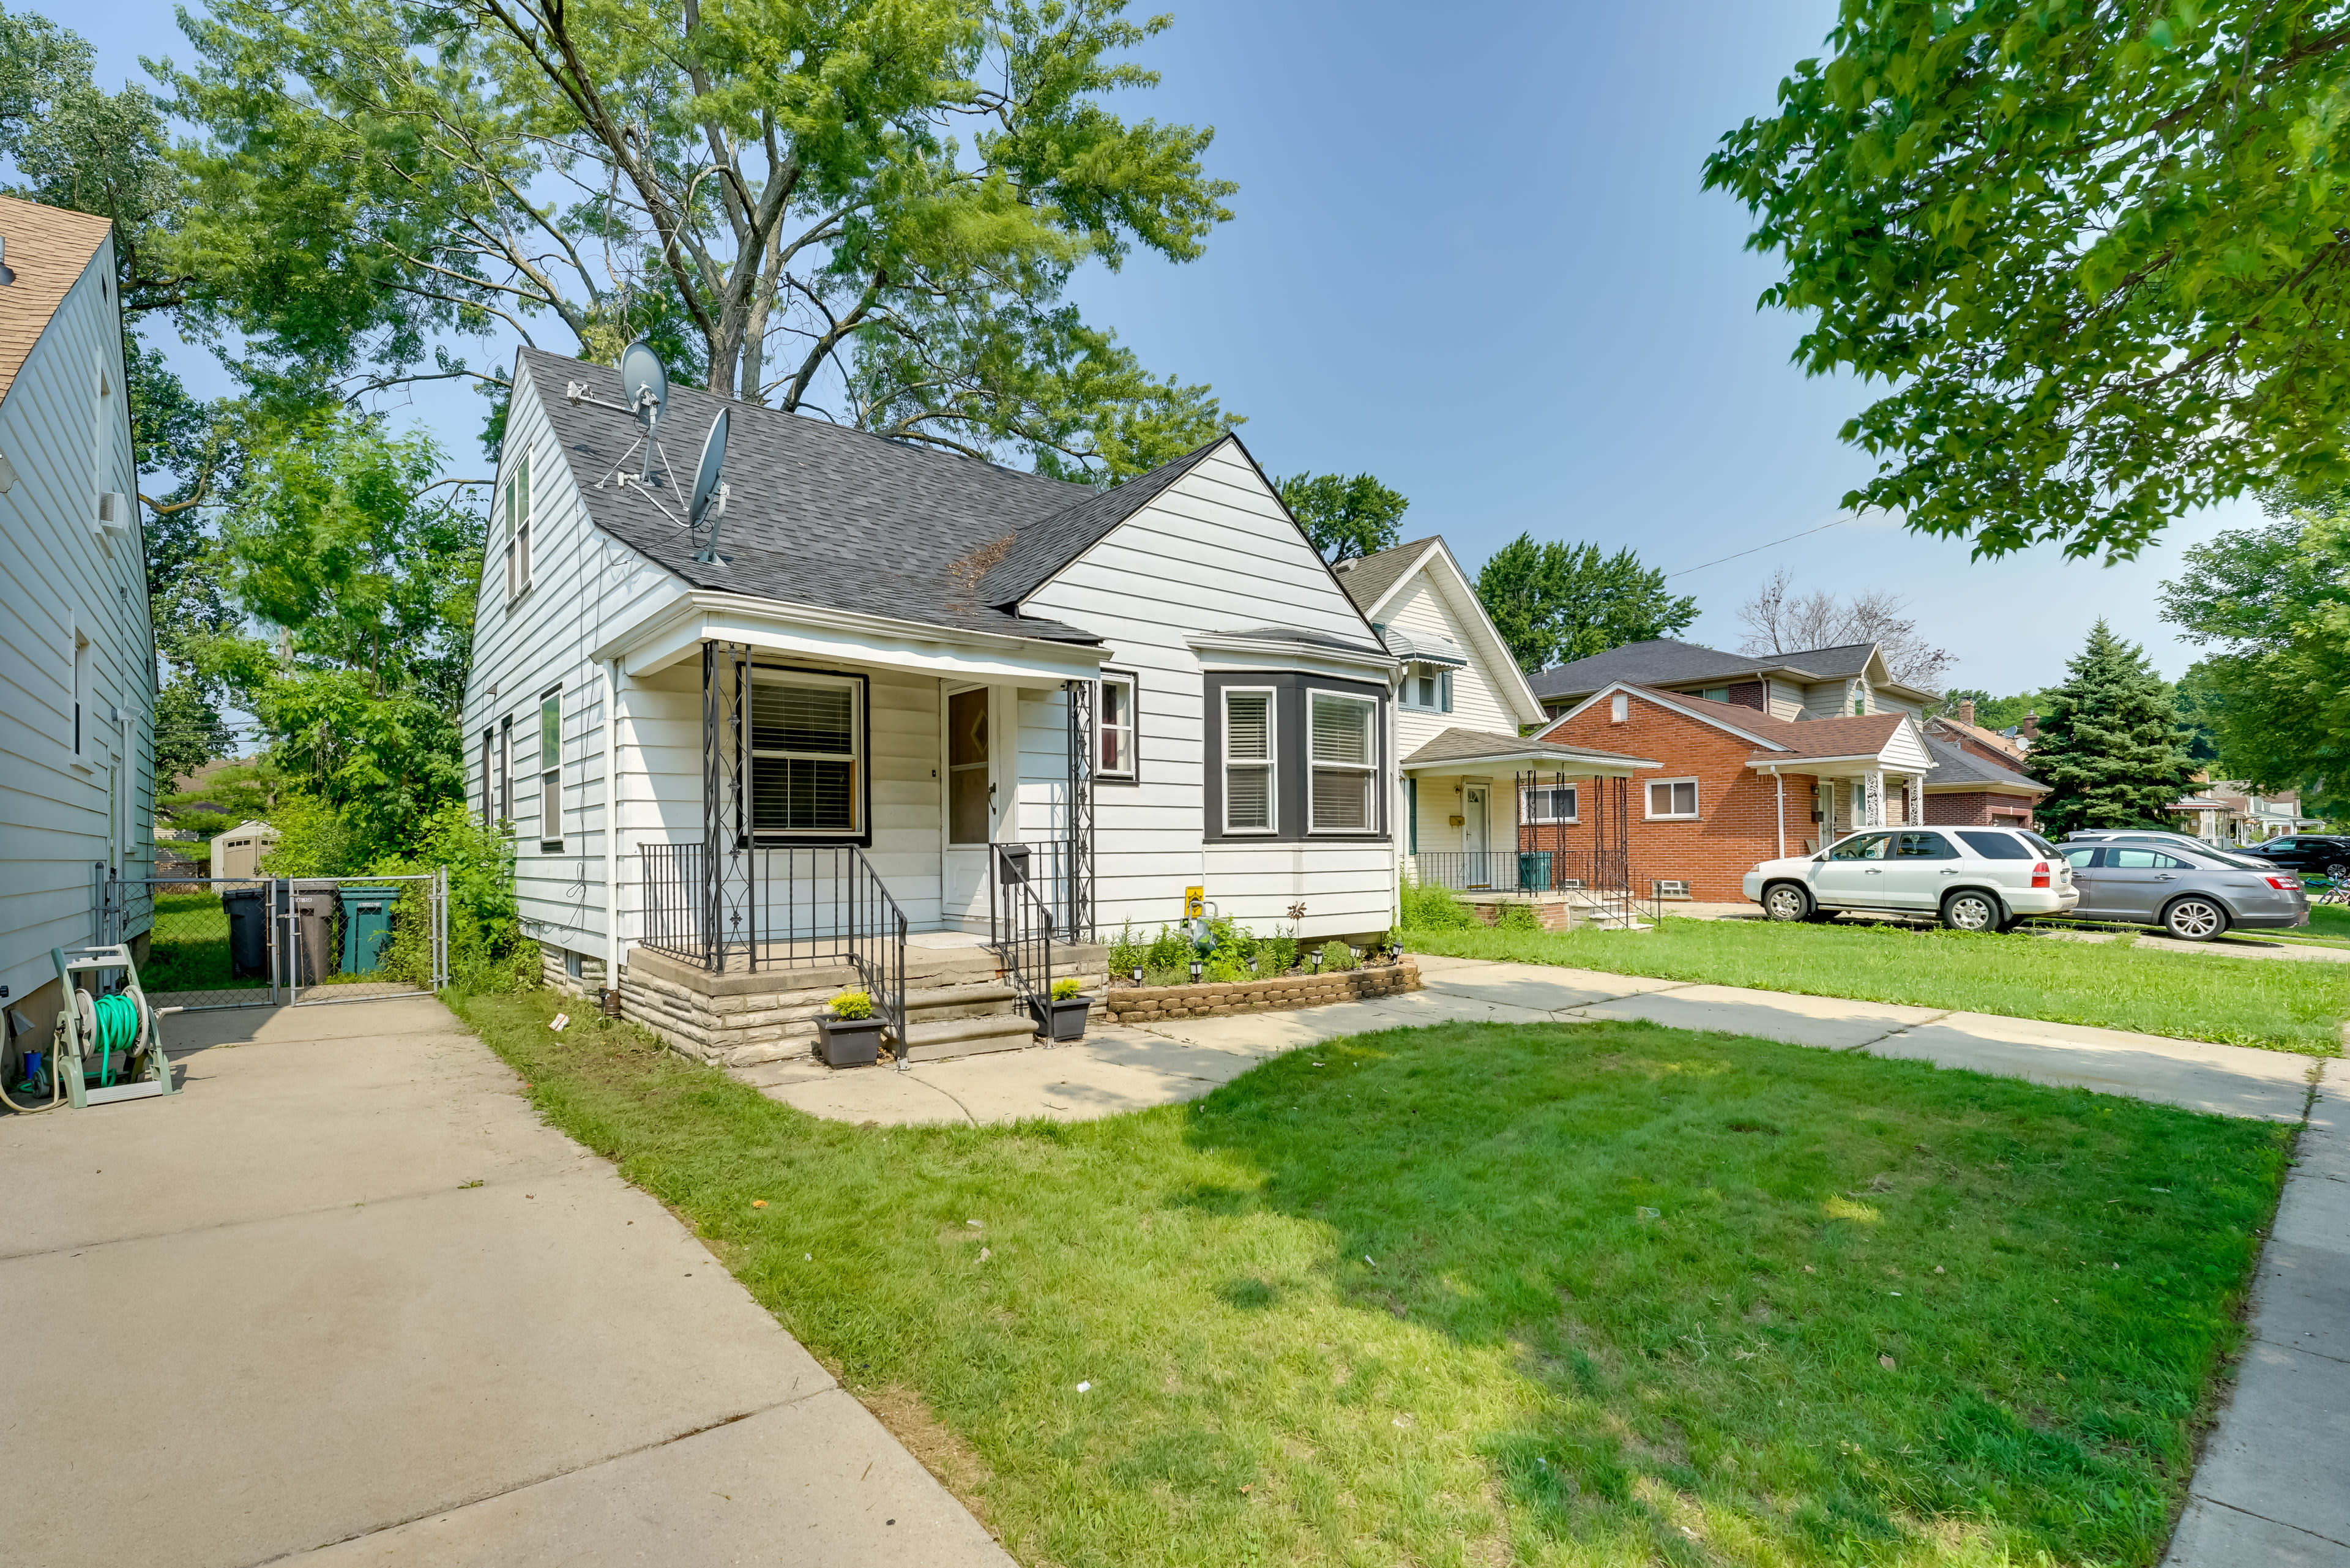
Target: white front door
(1476,843)
(969,791)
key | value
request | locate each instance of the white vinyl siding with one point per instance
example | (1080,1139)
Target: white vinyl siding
(73,626)
(1248,761)
(1344,758)
(1213,553)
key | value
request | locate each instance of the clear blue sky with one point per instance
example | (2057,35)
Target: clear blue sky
(1470,254)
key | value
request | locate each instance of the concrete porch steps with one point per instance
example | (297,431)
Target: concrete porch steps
(968,1036)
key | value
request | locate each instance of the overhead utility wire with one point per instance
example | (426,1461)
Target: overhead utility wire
(1773,545)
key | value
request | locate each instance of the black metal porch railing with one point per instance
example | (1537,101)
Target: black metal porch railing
(1020,925)
(787,907)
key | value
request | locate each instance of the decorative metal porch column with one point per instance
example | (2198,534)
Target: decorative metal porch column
(1083,762)
(729,917)
(1872,786)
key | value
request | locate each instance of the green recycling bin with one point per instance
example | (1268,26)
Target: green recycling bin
(367,926)
(1533,871)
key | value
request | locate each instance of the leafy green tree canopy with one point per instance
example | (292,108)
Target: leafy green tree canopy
(363,581)
(866,211)
(1346,518)
(2095,249)
(1554,602)
(2110,749)
(2273,603)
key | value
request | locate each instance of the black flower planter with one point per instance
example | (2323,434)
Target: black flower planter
(848,1042)
(1066,1019)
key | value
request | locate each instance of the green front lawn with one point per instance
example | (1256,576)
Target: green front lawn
(1602,1293)
(2274,1003)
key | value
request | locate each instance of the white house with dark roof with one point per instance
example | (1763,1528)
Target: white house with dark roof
(915,701)
(1816,683)
(76,652)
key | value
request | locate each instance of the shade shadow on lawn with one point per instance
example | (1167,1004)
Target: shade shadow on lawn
(1604,1294)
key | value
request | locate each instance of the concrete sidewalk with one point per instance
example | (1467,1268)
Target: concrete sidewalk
(346,1299)
(1120,1068)
(2274,1483)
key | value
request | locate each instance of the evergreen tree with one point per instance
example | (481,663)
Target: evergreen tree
(2110,745)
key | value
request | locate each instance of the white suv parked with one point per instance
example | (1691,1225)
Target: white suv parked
(1975,878)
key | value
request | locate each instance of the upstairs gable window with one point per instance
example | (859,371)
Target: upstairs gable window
(515,510)
(1428,689)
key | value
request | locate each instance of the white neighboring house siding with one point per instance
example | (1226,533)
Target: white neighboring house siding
(1215,552)
(65,444)
(583,581)
(1420,606)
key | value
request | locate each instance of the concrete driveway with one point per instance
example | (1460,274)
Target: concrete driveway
(346,1300)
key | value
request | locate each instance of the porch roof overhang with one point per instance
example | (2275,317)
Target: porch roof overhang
(1852,765)
(1471,751)
(673,633)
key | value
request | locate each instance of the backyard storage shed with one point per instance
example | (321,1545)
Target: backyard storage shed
(238,852)
(76,653)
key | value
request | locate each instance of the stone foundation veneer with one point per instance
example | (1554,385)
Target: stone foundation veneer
(1142,1003)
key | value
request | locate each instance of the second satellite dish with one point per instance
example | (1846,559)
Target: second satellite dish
(709,502)
(644,387)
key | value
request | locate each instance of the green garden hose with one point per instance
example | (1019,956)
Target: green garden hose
(118,1030)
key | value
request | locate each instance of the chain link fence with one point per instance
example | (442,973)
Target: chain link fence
(212,942)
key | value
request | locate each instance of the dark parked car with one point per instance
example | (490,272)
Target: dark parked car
(2317,852)
(2193,894)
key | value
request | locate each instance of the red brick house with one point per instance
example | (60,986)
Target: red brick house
(1736,786)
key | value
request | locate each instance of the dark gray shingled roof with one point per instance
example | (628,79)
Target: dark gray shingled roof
(1662,662)
(1956,766)
(1366,578)
(1042,548)
(820,515)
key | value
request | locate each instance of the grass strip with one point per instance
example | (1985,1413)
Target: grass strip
(2275,1005)
(1558,1294)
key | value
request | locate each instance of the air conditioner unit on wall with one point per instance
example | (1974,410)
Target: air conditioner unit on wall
(113,519)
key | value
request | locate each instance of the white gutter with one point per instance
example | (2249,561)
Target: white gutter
(815,631)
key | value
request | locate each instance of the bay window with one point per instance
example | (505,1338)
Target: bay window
(1344,758)
(1248,761)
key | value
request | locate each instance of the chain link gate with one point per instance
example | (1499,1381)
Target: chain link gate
(262,941)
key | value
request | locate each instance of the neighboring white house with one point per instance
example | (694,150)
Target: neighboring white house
(1474,793)
(77,652)
(913,656)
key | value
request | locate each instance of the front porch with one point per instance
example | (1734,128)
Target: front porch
(1526,821)
(923,836)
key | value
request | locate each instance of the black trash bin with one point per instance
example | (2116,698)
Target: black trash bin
(248,932)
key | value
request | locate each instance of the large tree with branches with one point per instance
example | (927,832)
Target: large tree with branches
(2098,249)
(868,211)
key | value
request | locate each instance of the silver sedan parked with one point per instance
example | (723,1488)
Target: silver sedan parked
(2193,894)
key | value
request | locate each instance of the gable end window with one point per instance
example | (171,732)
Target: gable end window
(807,754)
(1248,759)
(489,789)
(1116,718)
(1428,689)
(550,775)
(1344,756)
(1672,800)
(515,510)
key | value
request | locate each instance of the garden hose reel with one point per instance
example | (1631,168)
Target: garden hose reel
(107,1045)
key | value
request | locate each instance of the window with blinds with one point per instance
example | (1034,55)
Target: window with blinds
(804,755)
(1343,757)
(1248,761)
(1546,803)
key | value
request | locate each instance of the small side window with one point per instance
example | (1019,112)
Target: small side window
(550,771)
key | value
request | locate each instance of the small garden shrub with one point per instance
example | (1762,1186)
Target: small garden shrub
(1516,917)
(851,1005)
(1066,988)
(1337,955)
(1429,907)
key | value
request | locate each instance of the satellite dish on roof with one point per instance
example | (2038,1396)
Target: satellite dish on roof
(644,387)
(709,501)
